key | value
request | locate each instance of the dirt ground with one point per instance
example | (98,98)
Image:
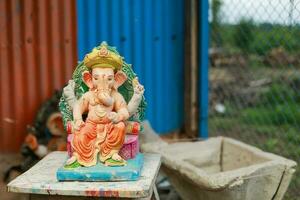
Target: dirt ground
(7,160)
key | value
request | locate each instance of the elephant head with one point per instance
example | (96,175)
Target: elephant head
(102,81)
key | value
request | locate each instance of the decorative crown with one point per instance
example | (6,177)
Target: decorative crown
(103,58)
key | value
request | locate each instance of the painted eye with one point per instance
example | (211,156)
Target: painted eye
(95,78)
(110,78)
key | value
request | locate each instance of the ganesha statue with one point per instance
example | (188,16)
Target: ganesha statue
(102,106)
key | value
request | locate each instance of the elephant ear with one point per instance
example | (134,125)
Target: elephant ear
(87,79)
(120,78)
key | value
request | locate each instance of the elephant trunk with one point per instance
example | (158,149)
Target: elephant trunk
(105,97)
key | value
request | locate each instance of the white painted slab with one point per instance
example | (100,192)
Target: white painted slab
(41,179)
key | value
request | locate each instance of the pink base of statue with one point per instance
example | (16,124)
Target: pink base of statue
(130,148)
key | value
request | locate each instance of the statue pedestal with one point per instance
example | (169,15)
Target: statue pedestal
(41,183)
(100,172)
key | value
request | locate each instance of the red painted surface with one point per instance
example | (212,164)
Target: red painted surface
(99,193)
(37,56)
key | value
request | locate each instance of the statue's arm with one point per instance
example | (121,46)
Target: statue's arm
(136,99)
(80,107)
(121,107)
(69,94)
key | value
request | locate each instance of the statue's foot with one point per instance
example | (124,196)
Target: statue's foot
(117,157)
(71,160)
(72,163)
(115,160)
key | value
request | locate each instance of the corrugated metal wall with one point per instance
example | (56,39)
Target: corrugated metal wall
(37,55)
(149,34)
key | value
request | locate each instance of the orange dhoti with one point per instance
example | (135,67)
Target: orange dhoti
(93,138)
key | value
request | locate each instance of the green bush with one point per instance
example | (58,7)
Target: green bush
(249,37)
(243,34)
(276,36)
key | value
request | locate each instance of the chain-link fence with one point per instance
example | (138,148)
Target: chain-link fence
(255,75)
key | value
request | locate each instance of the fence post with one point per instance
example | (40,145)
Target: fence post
(191,65)
(203,68)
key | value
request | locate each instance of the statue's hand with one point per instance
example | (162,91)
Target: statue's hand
(78,124)
(138,89)
(136,98)
(114,117)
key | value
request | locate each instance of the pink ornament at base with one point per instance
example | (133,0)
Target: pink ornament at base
(130,148)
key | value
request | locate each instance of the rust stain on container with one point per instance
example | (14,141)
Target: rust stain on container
(37,56)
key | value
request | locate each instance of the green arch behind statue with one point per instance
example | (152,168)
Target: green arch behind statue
(80,88)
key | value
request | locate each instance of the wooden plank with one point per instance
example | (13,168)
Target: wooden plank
(41,179)
(56,197)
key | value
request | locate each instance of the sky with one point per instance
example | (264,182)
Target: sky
(272,11)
